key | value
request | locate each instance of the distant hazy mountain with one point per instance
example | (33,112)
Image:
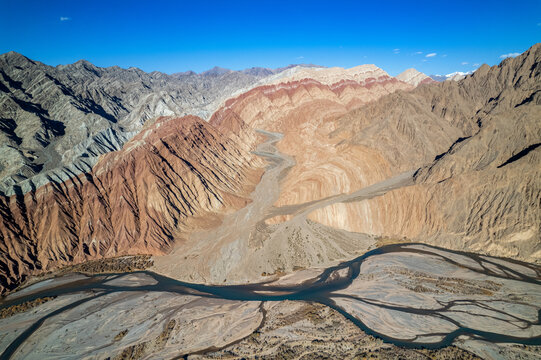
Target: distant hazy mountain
(216,71)
(457,75)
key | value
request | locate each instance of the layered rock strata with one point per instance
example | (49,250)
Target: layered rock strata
(476,143)
(305,111)
(56,121)
(138,200)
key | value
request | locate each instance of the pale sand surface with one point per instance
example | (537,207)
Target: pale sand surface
(415,294)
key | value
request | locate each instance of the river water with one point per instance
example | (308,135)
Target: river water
(325,289)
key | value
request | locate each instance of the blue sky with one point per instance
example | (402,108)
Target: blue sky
(173,36)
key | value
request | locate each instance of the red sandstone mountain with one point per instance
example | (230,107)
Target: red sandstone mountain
(137,200)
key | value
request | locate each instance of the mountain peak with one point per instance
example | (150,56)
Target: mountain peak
(11,54)
(14,57)
(83,62)
(414,77)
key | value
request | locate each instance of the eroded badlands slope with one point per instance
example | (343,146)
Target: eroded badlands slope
(134,201)
(482,191)
(363,155)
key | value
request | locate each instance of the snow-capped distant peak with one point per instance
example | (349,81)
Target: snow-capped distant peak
(458,73)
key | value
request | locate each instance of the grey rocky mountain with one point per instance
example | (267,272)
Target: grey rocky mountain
(56,121)
(438,78)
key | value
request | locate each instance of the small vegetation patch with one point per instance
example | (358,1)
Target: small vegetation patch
(119,264)
(15,309)
(428,283)
(121,335)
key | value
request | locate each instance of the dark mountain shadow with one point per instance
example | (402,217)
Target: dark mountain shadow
(519,155)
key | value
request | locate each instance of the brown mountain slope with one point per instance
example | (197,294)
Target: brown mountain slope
(134,201)
(481,193)
(305,112)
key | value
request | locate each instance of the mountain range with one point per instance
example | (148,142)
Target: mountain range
(101,162)
(288,213)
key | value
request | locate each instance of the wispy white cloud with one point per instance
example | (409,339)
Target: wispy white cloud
(505,56)
(431,55)
(64,18)
(300,57)
(396,51)
(444,55)
(476,64)
(464,63)
(424,60)
(418,52)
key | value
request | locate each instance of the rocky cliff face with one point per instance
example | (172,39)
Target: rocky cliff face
(476,142)
(176,171)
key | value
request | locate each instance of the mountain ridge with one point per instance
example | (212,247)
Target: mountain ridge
(90,111)
(87,111)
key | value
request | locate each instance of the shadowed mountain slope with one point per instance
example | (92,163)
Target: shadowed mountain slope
(57,121)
